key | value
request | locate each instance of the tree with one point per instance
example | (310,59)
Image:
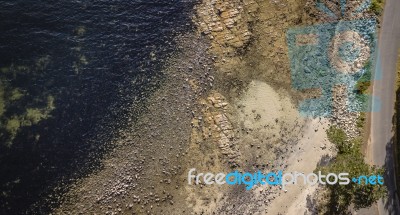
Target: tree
(350,160)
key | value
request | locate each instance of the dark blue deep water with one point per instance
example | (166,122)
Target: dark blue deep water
(96,58)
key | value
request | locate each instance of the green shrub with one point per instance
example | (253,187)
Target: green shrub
(361,120)
(364,82)
(350,160)
(338,137)
(377,7)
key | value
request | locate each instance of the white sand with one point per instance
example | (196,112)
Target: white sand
(305,160)
(262,99)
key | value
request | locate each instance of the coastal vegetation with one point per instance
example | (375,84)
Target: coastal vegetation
(361,120)
(364,82)
(363,88)
(377,7)
(338,198)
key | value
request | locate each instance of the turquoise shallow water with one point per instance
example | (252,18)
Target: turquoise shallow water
(95,59)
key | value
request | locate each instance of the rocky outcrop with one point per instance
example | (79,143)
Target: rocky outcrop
(226,22)
(213,126)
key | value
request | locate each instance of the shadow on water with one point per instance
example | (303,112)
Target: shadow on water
(102,58)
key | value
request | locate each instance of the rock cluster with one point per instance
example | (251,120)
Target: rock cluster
(334,11)
(343,65)
(341,115)
(214,125)
(226,22)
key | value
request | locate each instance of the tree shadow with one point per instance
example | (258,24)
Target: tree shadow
(392,203)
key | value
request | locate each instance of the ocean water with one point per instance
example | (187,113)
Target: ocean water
(69,70)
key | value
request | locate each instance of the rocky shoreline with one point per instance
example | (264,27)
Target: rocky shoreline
(226,103)
(142,173)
